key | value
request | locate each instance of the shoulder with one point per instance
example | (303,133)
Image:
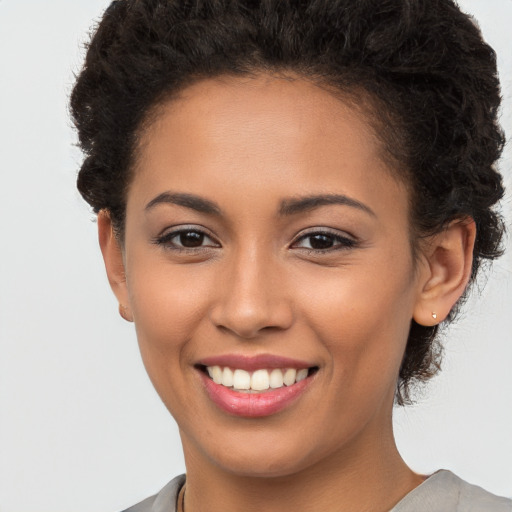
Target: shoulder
(164,501)
(447,492)
(476,499)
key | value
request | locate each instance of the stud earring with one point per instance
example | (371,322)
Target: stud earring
(434,315)
(123,312)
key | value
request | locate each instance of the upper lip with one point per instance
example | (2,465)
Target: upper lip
(252,363)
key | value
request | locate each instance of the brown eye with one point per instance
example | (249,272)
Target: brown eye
(191,239)
(181,239)
(321,241)
(324,242)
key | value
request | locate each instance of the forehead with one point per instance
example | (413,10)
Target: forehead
(268,106)
(263,133)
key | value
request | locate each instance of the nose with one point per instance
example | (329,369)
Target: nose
(252,298)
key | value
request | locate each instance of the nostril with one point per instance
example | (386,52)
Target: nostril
(250,322)
(248,305)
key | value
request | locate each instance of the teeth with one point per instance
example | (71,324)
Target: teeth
(289,376)
(301,374)
(259,380)
(227,377)
(276,379)
(216,374)
(241,379)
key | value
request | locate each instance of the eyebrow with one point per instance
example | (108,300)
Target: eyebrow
(303,204)
(288,207)
(188,201)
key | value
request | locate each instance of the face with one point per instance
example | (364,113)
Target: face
(265,235)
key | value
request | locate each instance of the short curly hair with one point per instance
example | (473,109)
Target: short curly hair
(429,76)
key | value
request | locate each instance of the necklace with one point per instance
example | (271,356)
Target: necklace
(181,500)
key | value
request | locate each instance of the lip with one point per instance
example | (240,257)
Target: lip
(252,363)
(254,405)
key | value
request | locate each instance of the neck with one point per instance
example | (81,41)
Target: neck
(363,477)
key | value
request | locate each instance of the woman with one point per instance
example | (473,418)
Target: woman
(291,197)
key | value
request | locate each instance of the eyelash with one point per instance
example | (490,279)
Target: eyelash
(340,242)
(166,240)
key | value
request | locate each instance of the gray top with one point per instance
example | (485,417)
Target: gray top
(441,492)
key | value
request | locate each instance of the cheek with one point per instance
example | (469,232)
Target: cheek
(362,317)
(167,300)
(169,305)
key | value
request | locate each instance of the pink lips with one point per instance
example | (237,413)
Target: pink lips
(253,405)
(251,363)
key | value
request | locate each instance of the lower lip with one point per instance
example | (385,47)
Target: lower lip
(254,405)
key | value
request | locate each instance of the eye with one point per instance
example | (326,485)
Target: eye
(189,239)
(186,239)
(323,241)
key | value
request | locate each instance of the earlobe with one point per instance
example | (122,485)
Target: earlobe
(449,259)
(114,264)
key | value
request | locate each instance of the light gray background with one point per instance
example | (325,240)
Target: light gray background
(81,428)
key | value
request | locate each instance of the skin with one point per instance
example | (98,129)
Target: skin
(255,287)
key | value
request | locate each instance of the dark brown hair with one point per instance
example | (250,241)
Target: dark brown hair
(430,77)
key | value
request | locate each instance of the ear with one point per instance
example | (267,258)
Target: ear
(448,263)
(114,263)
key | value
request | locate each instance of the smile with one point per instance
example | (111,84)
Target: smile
(257,381)
(255,387)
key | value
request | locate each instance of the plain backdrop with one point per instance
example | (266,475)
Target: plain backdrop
(81,428)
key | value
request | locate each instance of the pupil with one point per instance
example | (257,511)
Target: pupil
(191,239)
(321,242)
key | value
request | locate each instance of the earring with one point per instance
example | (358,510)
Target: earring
(123,312)
(434,315)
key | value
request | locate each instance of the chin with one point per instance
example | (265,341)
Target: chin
(264,466)
(260,454)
